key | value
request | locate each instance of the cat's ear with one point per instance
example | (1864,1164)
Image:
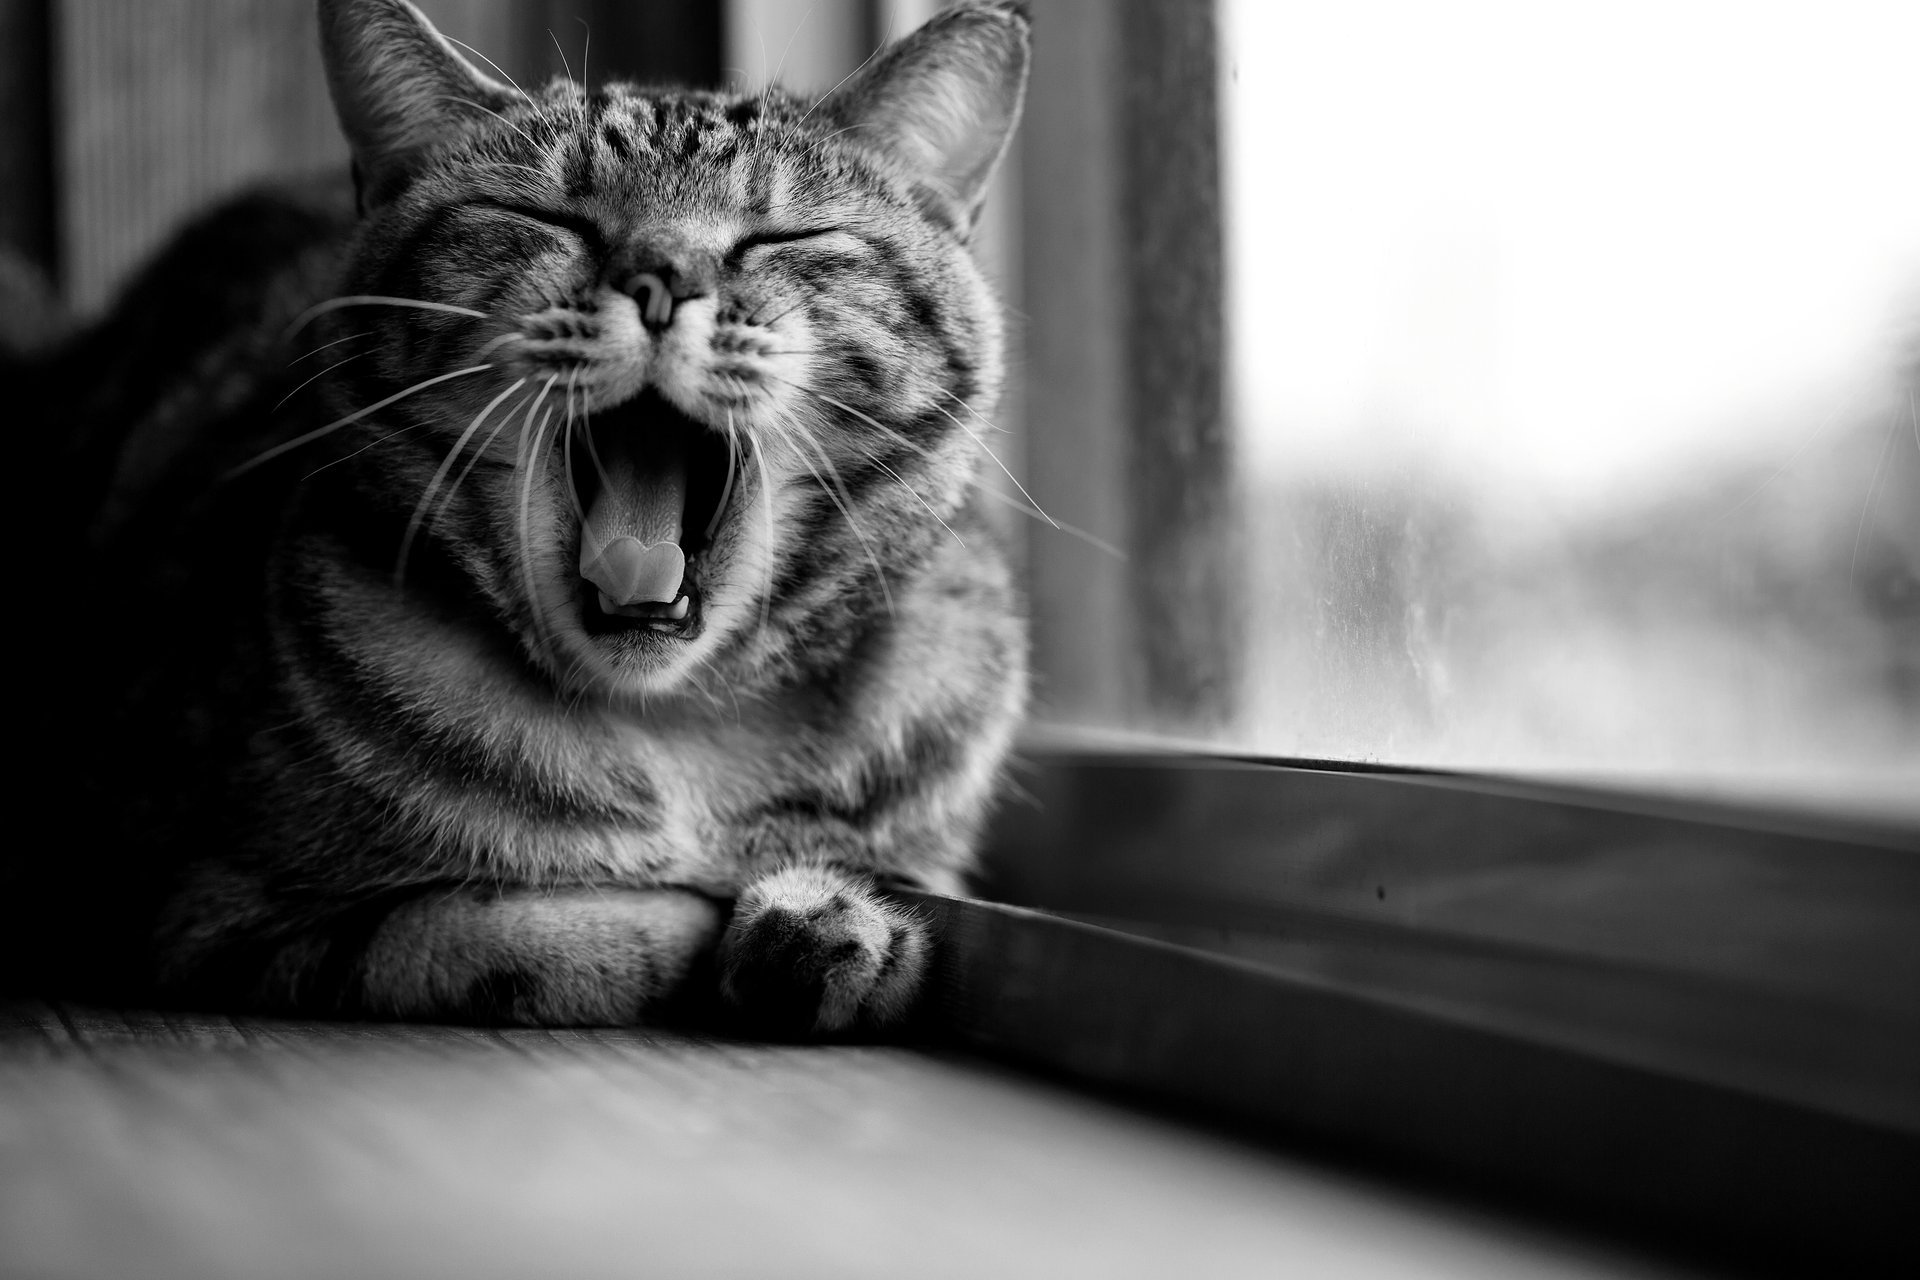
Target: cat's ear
(398,85)
(942,103)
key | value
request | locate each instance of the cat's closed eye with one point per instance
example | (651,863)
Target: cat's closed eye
(578,224)
(776,236)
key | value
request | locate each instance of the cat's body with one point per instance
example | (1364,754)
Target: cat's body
(359,726)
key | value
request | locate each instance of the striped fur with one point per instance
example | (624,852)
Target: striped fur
(356,739)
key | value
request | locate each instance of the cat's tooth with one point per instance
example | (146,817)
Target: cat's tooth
(680,608)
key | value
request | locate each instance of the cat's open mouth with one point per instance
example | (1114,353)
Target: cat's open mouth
(653,489)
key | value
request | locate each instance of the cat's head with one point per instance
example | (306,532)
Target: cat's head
(699,376)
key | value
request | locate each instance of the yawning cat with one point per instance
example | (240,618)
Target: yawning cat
(558,583)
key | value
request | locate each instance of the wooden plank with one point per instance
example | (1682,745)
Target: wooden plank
(596,1153)
(1737,1174)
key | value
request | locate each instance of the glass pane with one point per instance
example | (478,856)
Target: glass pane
(1577,349)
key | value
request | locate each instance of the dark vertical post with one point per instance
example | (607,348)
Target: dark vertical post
(1186,587)
(1126,369)
(1076,297)
(27,214)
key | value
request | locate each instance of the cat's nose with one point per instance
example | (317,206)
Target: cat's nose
(660,283)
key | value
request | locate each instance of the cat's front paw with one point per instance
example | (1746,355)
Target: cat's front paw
(812,949)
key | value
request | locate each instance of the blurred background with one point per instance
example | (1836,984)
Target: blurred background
(1577,349)
(1492,385)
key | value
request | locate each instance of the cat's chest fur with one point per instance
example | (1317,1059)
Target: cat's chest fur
(704,789)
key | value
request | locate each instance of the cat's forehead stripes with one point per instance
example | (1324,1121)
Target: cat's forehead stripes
(759,154)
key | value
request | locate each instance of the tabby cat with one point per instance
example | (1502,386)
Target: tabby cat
(553,588)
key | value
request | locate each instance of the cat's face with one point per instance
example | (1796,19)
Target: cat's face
(732,348)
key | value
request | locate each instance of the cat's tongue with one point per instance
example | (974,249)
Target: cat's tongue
(630,543)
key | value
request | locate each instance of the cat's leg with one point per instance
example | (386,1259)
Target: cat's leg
(816,948)
(533,956)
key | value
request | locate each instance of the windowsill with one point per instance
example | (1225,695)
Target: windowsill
(1660,1013)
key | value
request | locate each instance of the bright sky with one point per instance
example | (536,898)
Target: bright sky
(1566,240)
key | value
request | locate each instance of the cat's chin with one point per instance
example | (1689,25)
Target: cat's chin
(617,656)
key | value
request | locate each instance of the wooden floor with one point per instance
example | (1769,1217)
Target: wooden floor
(167,1146)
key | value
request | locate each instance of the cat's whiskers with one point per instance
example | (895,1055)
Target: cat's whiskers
(766,90)
(541,174)
(836,491)
(492,344)
(700,687)
(896,436)
(593,452)
(726,685)
(826,138)
(1028,508)
(474,460)
(371,444)
(569,679)
(874,458)
(758,323)
(319,309)
(527,463)
(307,382)
(972,412)
(308,355)
(481,106)
(988,450)
(566,449)
(733,472)
(766,502)
(426,498)
(319,432)
(496,66)
(983,483)
(864,62)
(581,83)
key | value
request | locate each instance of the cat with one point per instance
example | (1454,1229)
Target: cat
(550,585)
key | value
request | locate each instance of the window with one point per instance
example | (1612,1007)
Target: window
(1572,361)
(1576,350)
